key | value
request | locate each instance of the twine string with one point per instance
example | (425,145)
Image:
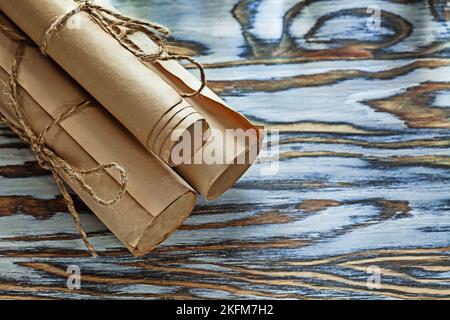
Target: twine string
(121,27)
(15,35)
(49,159)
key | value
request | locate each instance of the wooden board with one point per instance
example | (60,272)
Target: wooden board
(364,172)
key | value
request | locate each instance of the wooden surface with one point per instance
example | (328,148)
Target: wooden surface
(363,179)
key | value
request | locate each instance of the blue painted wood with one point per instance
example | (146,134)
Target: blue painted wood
(363,178)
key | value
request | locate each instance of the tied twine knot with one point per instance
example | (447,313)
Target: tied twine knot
(46,157)
(121,28)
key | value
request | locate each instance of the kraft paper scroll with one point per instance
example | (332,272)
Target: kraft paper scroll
(92,57)
(135,94)
(157,200)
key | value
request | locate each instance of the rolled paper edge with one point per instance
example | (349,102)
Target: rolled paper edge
(166,223)
(232,173)
(206,133)
(162,122)
(221,177)
(169,129)
(169,137)
(188,125)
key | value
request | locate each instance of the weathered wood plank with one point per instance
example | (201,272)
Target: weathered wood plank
(363,177)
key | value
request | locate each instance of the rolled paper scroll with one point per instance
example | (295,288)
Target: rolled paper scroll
(134,93)
(157,200)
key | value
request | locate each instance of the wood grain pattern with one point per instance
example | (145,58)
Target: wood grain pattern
(363,178)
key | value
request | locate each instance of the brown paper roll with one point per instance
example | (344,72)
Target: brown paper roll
(135,94)
(157,200)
